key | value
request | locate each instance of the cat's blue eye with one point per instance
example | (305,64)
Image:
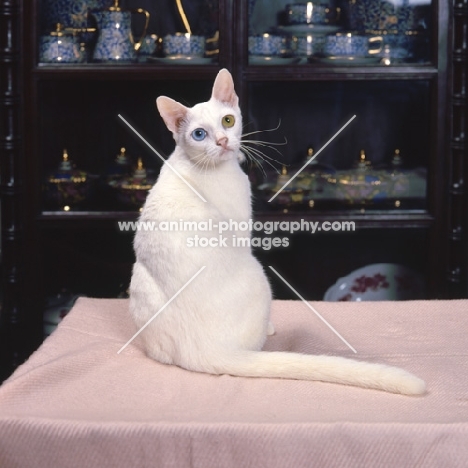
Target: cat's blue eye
(199,134)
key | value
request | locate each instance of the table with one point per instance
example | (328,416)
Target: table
(77,403)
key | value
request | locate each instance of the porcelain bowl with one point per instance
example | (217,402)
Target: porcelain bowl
(378,282)
(57,307)
(131,192)
(184,45)
(269,45)
(311,13)
(352,44)
(307,46)
(63,193)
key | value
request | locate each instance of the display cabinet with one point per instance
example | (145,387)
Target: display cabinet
(397,171)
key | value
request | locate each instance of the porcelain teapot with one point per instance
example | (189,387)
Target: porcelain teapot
(115,41)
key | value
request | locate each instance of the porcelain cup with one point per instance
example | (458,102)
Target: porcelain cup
(269,45)
(184,44)
(398,45)
(350,44)
(307,46)
(311,13)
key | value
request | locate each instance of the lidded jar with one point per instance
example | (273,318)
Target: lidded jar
(316,174)
(132,189)
(362,184)
(121,166)
(67,187)
(398,178)
(61,46)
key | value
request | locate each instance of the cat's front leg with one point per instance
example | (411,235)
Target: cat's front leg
(270,329)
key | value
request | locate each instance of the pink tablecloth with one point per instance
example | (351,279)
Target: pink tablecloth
(77,403)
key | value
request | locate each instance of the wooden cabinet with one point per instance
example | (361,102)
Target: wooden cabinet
(419,107)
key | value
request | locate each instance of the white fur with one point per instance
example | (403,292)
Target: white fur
(219,323)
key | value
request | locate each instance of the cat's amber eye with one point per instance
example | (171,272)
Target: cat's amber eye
(228,121)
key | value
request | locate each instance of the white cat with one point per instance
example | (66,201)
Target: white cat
(219,323)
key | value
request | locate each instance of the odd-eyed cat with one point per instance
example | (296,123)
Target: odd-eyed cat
(219,323)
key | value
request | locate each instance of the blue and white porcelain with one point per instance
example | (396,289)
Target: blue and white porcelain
(149,44)
(406,46)
(351,44)
(70,13)
(184,44)
(307,46)
(115,40)
(312,13)
(269,45)
(396,46)
(380,14)
(59,47)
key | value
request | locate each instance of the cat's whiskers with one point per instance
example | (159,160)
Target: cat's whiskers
(257,158)
(206,161)
(270,144)
(202,161)
(206,166)
(253,160)
(266,144)
(262,131)
(253,149)
(256,152)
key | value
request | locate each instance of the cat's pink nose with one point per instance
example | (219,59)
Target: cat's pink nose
(222,141)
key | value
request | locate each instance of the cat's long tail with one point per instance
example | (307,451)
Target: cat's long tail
(324,368)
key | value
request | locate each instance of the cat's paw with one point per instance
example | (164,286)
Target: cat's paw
(270,329)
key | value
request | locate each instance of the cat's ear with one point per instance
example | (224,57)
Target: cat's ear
(223,89)
(172,112)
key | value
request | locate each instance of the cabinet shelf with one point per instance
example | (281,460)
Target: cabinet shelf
(138,71)
(320,72)
(364,220)
(91,215)
(83,219)
(145,71)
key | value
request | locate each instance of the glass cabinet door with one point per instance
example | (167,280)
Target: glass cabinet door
(114,32)
(312,66)
(339,32)
(379,161)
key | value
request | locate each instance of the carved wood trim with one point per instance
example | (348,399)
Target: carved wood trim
(10,185)
(458,167)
